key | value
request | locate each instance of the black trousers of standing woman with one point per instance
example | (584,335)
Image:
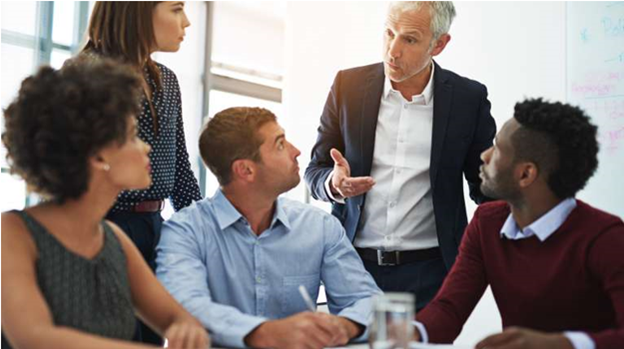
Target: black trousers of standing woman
(143,228)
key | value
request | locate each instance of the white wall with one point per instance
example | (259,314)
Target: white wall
(322,38)
(517,49)
(249,35)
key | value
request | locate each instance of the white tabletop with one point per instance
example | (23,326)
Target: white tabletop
(412,346)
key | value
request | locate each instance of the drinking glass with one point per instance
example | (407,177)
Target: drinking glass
(391,327)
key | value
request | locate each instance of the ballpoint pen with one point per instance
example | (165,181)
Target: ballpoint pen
(306,298)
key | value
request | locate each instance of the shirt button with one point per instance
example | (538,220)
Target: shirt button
(257,243)
(404,106)
(258,279)
(392,203)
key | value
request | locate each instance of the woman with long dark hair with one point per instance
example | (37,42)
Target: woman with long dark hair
(130,32)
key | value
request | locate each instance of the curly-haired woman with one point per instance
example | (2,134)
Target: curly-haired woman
(70,279)
(130,32)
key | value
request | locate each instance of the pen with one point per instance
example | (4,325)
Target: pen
(306,298)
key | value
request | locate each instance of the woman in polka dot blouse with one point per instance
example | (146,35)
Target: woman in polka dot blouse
(131,32)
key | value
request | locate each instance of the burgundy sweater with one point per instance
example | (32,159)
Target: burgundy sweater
(573,281)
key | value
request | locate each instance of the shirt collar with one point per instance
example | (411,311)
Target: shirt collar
(544,226)
(280,214)
(427,93)
(227,214)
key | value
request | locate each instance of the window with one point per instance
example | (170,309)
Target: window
(20,39)
(33,33)
(247,60)
(39,32)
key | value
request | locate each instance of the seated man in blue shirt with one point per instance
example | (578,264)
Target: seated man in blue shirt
(236,261)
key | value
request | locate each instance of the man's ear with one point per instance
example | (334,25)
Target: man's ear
(440,44)
(244,169)
(527,173)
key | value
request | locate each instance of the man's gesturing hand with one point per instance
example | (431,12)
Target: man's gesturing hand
(342,183)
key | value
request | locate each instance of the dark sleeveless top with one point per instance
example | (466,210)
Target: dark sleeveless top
(91,295)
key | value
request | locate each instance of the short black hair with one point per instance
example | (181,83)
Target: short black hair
(560,140)
(60,118)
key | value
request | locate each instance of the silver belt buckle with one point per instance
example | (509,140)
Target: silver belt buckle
(382,262)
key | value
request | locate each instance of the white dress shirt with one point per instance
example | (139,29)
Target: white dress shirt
(398,214)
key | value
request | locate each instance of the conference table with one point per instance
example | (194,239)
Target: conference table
(412,346)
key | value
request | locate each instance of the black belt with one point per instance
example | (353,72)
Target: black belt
(389,258)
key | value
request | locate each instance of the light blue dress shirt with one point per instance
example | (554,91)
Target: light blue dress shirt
(542,228)
(232,280)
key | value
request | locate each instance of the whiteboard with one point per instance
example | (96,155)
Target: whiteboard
(595,82)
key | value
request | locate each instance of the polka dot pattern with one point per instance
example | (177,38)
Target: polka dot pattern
(172,177)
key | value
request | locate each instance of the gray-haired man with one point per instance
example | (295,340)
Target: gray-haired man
(394,141)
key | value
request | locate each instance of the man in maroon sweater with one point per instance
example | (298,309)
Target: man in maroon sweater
(555,264)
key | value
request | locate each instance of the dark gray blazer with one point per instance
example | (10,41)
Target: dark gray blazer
(462,129)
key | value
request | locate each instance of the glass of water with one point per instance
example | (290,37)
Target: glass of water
(392,321)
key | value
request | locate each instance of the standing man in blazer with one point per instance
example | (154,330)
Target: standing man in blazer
(393,143)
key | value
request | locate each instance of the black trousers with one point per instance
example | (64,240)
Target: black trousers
(422,278)
(143,228)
